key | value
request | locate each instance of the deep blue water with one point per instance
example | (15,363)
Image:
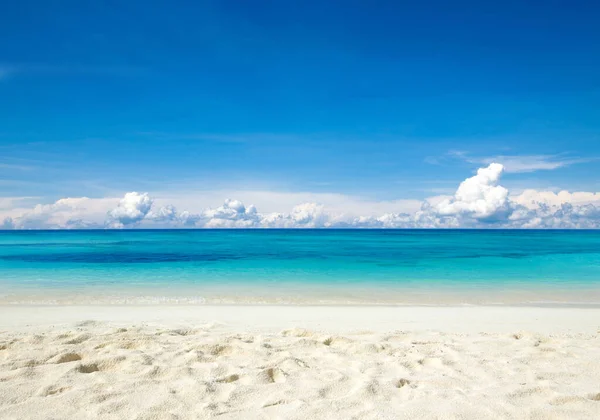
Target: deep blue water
(299,265)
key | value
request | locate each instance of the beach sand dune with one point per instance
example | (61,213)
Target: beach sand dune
(110,370)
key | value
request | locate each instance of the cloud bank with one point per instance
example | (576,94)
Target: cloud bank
(479,202)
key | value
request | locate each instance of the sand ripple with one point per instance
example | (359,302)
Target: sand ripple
(99,370)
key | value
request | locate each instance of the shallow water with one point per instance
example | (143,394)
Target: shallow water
(300,266)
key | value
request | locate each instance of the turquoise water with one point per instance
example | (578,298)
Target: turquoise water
(300,266)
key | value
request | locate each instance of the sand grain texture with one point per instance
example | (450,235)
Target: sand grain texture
(107,371)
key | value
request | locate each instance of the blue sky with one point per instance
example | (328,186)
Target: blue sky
(386,100)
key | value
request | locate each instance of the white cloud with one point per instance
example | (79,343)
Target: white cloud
(167,213)
(521,163)
(305,215)
(309,215)
(388,220)
(282,202)
(479,197)
(232,213)
(66,213)
(131,209)
(533,198)
(532,163)
(479,201)
(565,216)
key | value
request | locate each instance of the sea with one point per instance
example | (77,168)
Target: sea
(303,267)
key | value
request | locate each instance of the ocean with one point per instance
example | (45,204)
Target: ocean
(530,267)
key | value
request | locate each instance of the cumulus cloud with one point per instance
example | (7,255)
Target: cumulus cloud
(283,202)
(479,197)
(534,199)
(479,201)
(309,215)
(132,208)
(565,216)
(188,219)
(388,220)
(232,213)
(167,213)
(66,213)
(305,215)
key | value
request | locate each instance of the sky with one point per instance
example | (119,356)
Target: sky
(358,110)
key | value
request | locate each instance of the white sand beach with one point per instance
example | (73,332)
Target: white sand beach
(299,362)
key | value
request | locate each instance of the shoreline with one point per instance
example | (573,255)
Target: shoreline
(540,304)
(464,318)
(310,296)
